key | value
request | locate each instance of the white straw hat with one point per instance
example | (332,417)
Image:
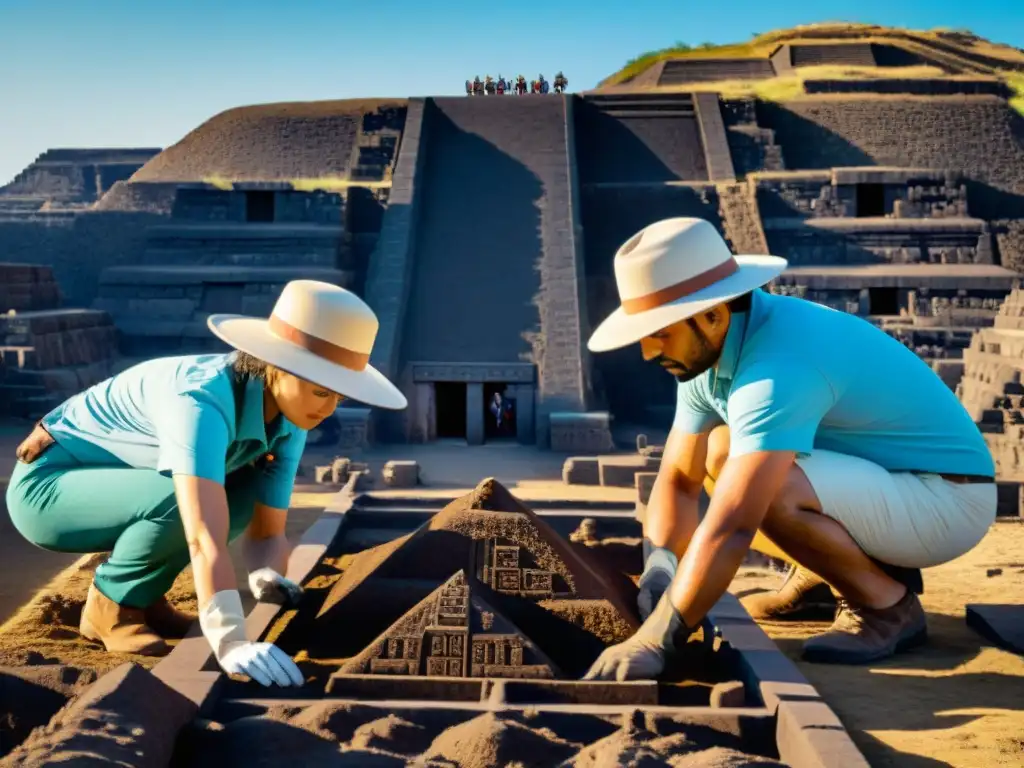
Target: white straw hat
(320,333)
(672,270)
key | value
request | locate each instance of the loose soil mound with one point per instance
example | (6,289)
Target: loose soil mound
(343,734)
(299,140)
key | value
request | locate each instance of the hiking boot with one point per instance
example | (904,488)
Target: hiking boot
(119,628)
(802,596)
(167,621)
(860,635)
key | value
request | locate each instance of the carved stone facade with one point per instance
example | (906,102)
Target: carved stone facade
(454,632)
(509,569)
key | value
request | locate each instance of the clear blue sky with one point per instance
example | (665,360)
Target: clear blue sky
(90,73)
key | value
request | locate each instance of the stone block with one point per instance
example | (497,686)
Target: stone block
(324,474)
(401,474)
(573,432)
(581,470)
(340,470)
(620,471)
(644,485)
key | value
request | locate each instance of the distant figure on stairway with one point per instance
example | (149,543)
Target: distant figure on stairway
(502,86)
(561,82)
(489,85)
(520,85)
(469,87)
(542,85)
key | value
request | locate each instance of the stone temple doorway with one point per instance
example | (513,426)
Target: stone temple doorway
(450,402)
(499,411)
(453,401)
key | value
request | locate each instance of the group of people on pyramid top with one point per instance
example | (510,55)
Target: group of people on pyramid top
(817,437)
(519,87)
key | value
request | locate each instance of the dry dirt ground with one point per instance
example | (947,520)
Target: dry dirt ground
(956,702)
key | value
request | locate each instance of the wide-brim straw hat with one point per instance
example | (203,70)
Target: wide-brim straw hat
(672,270)
(318,332)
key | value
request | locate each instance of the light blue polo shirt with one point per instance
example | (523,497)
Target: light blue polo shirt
(177,415)
(795,375)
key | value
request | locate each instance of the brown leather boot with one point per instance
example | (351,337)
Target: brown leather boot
(120,629)
(861,635)
(803,596)
(167,621)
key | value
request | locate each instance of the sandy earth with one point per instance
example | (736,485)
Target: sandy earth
(957,701)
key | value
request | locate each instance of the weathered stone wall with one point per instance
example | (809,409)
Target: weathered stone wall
(77,247)
(24,287)
(290,206)
(910,86)
(822,194)
(274,142)
(163,310)
(76,175)
(818,242)
(637,139)
(47,356)
(978,136)
(753,147)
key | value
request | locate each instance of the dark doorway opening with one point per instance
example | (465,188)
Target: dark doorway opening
(259,206)
(499,412)
(883,301)
(870,200)
(450,405)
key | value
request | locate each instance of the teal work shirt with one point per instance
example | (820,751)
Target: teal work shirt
(178,416)
(795,376)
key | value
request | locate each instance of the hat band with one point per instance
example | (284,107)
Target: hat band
(332,353)
(680,290)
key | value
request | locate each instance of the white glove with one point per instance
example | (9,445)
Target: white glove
(268,586)
(659,570)
(223,625)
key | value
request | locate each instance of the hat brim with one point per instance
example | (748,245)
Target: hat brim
(252,335)
(620,330)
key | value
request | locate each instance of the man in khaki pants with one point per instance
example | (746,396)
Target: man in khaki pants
(819,431)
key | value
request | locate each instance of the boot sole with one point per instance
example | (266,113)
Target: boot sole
(825,656)
(806,613)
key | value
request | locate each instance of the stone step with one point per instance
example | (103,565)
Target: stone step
(241,231)
(638,113)
(179,275)
(271,258)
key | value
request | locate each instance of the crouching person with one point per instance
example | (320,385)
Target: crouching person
(819,434)
(167,462)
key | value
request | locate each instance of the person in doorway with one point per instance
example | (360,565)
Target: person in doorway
(168,461)
(497,411)
(822,435)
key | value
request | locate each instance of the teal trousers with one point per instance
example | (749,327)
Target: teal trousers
(60,505)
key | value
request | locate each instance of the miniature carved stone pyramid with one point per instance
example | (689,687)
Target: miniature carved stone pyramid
(454,632)
(497,540)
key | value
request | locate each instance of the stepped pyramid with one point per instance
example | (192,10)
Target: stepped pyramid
(454,632)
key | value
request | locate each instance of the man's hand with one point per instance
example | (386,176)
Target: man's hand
(634,659)
(642,657)
(268,586)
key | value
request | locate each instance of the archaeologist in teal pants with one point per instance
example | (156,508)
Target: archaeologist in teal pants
(167,462)
(819,433)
